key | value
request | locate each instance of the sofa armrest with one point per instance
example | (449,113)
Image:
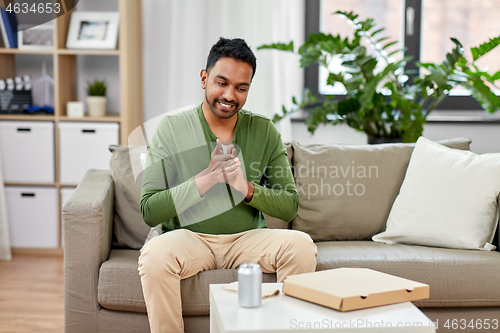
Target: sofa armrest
(87,226)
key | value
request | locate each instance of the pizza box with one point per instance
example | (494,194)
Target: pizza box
(347,289)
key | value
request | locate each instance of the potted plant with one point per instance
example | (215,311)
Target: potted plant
(96,99)
(380,100)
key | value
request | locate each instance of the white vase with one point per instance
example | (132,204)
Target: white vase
(96,106)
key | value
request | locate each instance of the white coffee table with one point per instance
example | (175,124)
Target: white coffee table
(287,314)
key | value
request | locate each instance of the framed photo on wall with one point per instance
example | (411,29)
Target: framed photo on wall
(40,37)
(93,30)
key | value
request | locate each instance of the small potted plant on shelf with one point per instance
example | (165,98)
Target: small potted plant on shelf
(96,99)
(380,99)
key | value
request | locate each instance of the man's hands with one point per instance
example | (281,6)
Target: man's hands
(224,168)
(219,158)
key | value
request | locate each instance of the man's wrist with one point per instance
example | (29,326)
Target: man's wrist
(204,181)
(250,190)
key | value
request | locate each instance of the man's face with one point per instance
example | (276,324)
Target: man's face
(226,86)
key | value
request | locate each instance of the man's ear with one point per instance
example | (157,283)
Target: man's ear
(204,76)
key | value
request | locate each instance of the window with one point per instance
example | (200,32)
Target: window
(424,26)
(388,13)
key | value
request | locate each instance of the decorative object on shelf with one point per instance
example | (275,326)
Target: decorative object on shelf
(35,109)
(74,109)
(96,100)
(93,30)
(39,37)
(4,42)
(379,100)
(8,26)
(15,95)
(47,81)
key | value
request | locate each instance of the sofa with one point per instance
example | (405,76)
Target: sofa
(103,232)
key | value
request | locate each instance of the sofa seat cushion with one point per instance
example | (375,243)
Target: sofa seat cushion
(457,278)
(120,285)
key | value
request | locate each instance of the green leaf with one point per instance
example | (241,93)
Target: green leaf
(309,56)
(276,118)
(426,65)
(277,46)
(484,48)
(496,76)
(378,31)
(381,39)
(349,15)
(332,78)
(475,53)
(389,45)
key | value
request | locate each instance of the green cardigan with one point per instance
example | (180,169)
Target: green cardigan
(181,148)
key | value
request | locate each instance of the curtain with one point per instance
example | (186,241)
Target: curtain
(178,34)
(4,225)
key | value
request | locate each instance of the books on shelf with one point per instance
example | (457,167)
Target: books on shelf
(8,27)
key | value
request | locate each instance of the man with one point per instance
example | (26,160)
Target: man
(202,180)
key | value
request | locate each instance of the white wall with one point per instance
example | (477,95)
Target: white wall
(485,137)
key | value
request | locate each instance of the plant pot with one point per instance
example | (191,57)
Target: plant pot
(374,141)
(96,106)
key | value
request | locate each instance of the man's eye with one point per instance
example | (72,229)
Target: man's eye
(242,89)
(221,83)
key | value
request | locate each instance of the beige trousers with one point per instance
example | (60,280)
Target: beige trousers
(167,259)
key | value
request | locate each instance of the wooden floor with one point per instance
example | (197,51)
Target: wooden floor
(31,294)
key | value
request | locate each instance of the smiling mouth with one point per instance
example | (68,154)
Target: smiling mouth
(225,105)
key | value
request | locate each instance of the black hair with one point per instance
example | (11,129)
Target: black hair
(235,48)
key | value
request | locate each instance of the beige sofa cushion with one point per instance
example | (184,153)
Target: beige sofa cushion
(129,229)
(448,199)
(457,278)
(120,287)
(347,191)
(273,222)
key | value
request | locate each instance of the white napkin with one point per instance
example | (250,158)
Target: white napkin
(267,290)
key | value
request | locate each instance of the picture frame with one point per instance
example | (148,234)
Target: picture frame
(93,30)
(40,37)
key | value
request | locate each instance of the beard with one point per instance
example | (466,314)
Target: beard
(220,113)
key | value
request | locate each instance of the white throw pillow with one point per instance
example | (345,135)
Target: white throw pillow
(448,199)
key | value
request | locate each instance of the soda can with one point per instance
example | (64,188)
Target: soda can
(249,285)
